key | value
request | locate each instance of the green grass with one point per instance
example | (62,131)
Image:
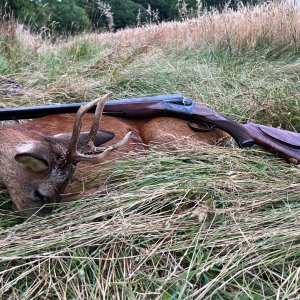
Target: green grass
(243,85)
(208,222)
(199,222)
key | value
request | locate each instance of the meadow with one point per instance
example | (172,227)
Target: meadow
(199,222)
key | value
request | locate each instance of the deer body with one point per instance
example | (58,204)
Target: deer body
(39,158)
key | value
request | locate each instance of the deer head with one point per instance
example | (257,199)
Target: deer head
(38,169)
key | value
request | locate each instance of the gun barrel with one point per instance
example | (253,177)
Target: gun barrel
(31,112)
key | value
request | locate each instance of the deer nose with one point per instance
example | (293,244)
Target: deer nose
(41,198)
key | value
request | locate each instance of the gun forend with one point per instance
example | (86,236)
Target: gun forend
(131,107)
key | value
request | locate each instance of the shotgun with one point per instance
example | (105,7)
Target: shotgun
(284,143)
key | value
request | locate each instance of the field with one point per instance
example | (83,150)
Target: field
(201,222)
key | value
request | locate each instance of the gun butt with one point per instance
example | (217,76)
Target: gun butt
(284,143)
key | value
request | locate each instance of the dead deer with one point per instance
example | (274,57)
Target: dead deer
(39,158)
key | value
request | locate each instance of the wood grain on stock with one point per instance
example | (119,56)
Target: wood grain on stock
(282,142)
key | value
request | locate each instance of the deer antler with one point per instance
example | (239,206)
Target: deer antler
(89,150)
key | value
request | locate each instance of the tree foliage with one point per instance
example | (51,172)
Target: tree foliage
(61,16)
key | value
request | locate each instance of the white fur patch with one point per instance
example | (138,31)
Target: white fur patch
(60,135)
(26,147)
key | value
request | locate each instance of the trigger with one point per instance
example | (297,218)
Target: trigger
(200,126)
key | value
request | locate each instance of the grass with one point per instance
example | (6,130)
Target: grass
(164,232)
(194,223)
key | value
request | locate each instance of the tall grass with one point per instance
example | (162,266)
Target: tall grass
(273,23)
(194,223)
(207,222)
(248,27)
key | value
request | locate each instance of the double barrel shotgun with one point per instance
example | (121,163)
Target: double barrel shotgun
(284,143)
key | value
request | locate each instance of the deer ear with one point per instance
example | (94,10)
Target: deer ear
(102,137)
(32,156)
(28,161)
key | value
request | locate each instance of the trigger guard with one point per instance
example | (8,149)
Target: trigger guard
(201,126)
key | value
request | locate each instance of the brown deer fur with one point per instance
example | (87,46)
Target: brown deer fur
(28,159)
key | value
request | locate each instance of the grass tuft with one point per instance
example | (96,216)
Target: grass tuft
(198,222)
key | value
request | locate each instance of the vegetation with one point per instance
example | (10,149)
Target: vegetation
(71,16)
(194,223)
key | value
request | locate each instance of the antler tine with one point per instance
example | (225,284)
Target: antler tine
(105,151)
(97,119)
(72,149)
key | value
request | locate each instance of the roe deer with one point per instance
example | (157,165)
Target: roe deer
(39,158)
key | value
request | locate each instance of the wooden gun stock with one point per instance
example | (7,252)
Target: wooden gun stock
(282,142)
